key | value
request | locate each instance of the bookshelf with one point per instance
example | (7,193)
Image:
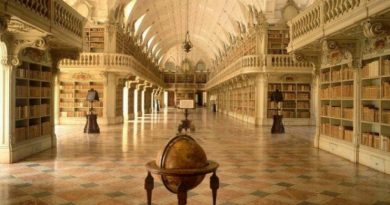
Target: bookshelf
(375,106)
(33,98)
(94,39)
(119,99)
(278,39)
(297,97)
(238,102)
(72,98)
(336,100)
(184,95)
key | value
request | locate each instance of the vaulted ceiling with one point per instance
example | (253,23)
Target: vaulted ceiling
(161,25)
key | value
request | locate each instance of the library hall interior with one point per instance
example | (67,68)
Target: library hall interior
(195,102)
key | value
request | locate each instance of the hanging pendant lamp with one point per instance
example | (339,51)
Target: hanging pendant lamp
(187,45)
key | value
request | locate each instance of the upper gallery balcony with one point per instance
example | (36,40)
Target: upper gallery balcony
(255,64)
(113,62)
(46,17)
(327,17)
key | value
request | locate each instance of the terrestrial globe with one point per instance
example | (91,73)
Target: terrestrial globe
(181,153)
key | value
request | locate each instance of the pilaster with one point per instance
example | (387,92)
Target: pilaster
(129,90)
(147,94)
(261,82)
(140,96)
(109,98)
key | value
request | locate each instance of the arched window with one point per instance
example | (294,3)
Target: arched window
(200,66)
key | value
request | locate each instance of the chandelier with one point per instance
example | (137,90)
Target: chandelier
(187,45)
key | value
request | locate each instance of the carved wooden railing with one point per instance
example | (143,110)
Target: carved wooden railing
(256,64)
(284,62)
(51,16)
(113,62)
(325,17)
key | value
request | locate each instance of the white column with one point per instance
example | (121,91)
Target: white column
(356,110)
(261,87)
(135,103)
(110,99)
(316,107)
(5,113)
(143,101)
(126,99)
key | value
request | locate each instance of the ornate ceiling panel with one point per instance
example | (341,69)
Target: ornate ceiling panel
(161,25)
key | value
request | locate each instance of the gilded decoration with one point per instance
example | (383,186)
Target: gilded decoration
(333,54)
(377,38)
(35,55)
(81,76)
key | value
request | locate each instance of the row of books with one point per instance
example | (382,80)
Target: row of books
(303,114)
(88,86)
(45,92)
(288,114)
(337,112)
(371,92)
(386,116)
(370,113)
(33,74)
(46,128)
(347,91)
(35,92)
(303,87)
(21,112)
(371,139)
(303,96)
(34,131)
(289,96)
(289,87)
(21,134)
(374,139)
(21,91)
(347,113)
(35,110)
(325,76)
(289,104)
(40,91)
(303,105)
(386,66)
(66,87)
(386,89)
(337,131)
(371,70)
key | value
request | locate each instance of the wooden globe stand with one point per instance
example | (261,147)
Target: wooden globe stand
(152,168)
(186,124)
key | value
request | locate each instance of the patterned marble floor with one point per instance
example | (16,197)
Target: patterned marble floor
(256,167)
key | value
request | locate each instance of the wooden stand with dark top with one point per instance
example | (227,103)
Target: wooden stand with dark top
(91,125)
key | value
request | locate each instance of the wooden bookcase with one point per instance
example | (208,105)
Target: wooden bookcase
(119,99)
(278,39)
(72,98)
(336,100)
(375,106)
(184,95)
(94,39)
(297,97)
(33,100)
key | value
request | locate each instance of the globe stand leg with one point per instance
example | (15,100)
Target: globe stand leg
(214,185)
(149,185)
(182,195)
